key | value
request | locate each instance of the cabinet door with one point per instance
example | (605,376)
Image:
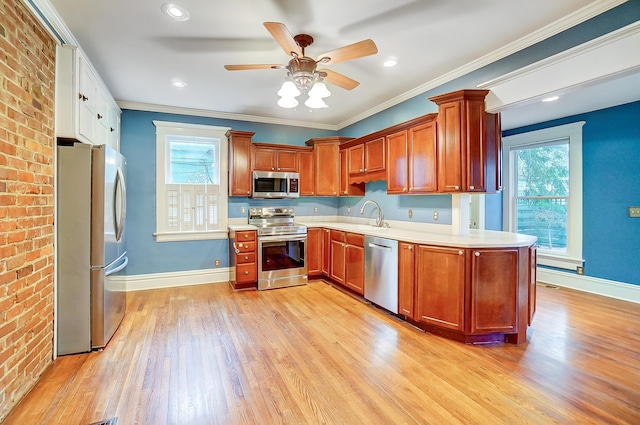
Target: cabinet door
(494,280)
(314,251)
(450,147)
(406,279)
(422,154)
(239,163)
(264,159)
(338,264)
(374,155)
(346,189)
(475,143)
(354,279)
(87,97)
(440,278)
(287,161)
(306,167)
(397,155)
(327,169)
(355,159)
(326,252)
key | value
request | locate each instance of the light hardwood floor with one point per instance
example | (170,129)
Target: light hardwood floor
(315,355)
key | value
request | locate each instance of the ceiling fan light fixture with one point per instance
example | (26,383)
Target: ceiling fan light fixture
(390,62)
(320,90)
(175,11)
(315,103)
(289,90)
(288,102)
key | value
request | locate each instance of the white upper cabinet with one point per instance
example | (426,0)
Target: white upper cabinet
(85,109)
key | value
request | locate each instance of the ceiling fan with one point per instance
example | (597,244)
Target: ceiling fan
(303,75)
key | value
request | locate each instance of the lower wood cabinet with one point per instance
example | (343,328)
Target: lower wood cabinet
(347,260)
(326,252)
(440,273)
(244,258)
(406,279)
(338,256)
(314,251)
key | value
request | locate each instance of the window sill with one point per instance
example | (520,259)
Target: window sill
(190,236)
(551,259)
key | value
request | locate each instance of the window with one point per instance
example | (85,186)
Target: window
(543,191)
(191,182)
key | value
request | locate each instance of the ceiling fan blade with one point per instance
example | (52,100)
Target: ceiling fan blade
(339,79)
(256,66)
(283,37)
(352,51)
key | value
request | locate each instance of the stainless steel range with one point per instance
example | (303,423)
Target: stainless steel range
(282,248)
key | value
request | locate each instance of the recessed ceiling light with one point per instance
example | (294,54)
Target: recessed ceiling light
(551,99)
(390,62)
(176,11)
(178,83)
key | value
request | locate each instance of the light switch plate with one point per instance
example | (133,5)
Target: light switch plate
(634,212)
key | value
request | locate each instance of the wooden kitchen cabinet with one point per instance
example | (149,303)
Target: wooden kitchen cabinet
(406,279)
(468,143)
(306,168)
(440,286)
(327,164)
(346,189)
(273,158)
(354,259)
(314,251)
(242,249)
(240,173)
(494,288)
(326,252)
(338,256)
(367,161)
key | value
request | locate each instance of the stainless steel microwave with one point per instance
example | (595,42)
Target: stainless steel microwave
(276,184)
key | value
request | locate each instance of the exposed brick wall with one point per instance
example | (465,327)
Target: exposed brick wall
(27,65)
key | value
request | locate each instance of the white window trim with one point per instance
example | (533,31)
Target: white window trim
(573,132)
(197,130)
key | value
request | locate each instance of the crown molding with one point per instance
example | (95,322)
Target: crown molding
(149,107)
(51,21)
(577,17)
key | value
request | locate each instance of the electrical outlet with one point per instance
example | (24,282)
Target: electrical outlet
(216,262)
(315,209)
(436,216)
(580,270)
(410,213)
(243,210)
(348,210)
(634,212)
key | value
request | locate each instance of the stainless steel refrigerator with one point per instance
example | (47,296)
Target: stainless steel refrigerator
(90,220)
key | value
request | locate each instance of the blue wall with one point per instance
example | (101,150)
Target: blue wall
(138,145)
(611,172)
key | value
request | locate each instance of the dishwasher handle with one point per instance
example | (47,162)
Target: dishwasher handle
(376,246)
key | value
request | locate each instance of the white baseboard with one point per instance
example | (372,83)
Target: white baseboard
(593,285)
(140,282)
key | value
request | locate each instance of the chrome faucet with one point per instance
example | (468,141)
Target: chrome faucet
(380,219)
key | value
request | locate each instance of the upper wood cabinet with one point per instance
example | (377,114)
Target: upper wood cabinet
(274,158)
(240,180)
(347,189)
(327,164)
(412,160)
(85,110)
(367,161)
(468,143)
(306,168)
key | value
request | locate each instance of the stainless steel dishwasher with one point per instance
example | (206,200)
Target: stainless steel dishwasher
(381,272)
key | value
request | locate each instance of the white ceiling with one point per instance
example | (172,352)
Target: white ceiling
(138,51)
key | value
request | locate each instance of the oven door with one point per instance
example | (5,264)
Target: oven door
(282,261)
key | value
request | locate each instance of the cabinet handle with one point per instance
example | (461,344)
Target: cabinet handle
(460,252)
(472,187)
(477,254)
(83,97)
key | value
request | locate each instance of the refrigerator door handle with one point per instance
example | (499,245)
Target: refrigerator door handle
(121,212)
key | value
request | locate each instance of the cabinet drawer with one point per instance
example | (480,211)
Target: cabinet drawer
(355,239)
(246,236)
(246,246)
(337,235)
(249,257)
(246,272)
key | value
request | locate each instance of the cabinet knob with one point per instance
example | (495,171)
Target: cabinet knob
(313,193)
(361,170)
(460,252)
(365,170)
(410,248)
(248,192)
(246,272)
(246,257)
(83,97)
(278,169)
(404,189)
(477,254)
(456,187)
(472,187)
(99,116)
(112,129)
(246,236)
(334,193)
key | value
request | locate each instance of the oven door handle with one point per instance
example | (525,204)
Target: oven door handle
(282,238)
